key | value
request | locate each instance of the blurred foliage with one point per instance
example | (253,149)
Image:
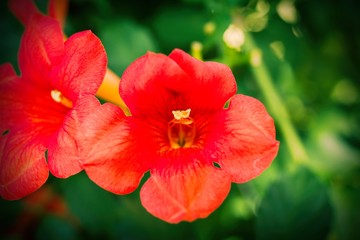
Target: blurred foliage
(311,49)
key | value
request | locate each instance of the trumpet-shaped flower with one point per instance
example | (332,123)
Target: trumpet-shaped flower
(57,9)
(180,131)
(40,113)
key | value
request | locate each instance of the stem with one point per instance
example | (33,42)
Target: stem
(274,102)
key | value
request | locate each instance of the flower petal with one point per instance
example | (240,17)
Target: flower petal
(7,73)
(41,48)
(7,76)
(191,191)
(245,139)
(64,152)
(23,103)
(23,9)
(83,67)
(106,147)
(177,82)
(151,84)
(116,161)
(63,156)
(23,165)
(213,83)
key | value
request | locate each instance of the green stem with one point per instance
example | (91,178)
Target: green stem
(274,102)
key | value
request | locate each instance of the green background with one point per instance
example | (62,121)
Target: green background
(310,70)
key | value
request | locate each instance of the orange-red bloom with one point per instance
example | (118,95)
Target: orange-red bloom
(180,130)
(57,9)
(40,109)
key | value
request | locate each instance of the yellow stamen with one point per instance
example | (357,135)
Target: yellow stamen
(181,114)
(58,97)
(181,129)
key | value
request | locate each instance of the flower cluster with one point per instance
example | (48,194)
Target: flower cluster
(179,129)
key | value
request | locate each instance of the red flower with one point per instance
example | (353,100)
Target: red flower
(40,109)
(181,132)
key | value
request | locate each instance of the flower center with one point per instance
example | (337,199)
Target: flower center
(181,129)
(58,97)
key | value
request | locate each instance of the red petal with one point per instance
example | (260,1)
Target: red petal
(117,149)
(23,10)
(23,165)
(245,139)
(151,84)
(64,153)
(7,76)
(177,82)
(7,73)
(212,83)
(83,67)
(63,156)
(97,138)
(187,193)
(24,103)
(41,48)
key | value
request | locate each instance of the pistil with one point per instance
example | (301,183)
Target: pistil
(181,129)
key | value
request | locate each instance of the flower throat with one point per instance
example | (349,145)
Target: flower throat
(181,129)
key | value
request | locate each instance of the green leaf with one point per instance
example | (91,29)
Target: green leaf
(10,212)
(124,41)
(52,227)
(296,206)
(346,198)
(179,27)
(95,208)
